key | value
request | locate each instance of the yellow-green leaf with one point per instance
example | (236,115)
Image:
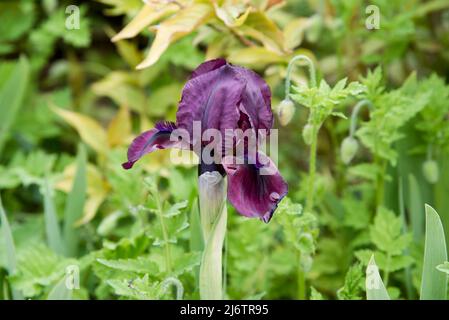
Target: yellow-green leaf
(149,14)
(123,88)
(233,13)
(294,32)
(120,128)
(261,28)
(254,57)
(89,129)
(177,26)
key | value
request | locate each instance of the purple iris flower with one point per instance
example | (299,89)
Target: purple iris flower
(223,96)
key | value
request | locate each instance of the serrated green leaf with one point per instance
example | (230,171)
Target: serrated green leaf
(139,265)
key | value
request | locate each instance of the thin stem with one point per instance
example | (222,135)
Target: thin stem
(312,73)
(387,271)
(355,113)
(382,164)
(312,168)
(429,152)
(160,215)
(301,280)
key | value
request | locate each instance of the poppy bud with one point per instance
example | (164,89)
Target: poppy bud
(286,110)
(349,148)
(307,133)
(430,171)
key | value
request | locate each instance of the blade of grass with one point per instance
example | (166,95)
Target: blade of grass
(5,232)
(75,205)
(52,227)
(415,206)
(407,271)
(60,291)
(11,97)
(375,288)
(433,282)
(196,236)
(441,198)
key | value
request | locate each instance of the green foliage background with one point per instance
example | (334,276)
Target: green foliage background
(71,101)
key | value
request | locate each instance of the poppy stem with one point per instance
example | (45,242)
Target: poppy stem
(355,113)
(310,66)
(312,168)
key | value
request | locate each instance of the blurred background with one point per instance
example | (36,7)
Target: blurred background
(71,101)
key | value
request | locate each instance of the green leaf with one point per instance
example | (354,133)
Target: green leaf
(8,241)
(433,283)
(137,288)
(75,204)
(375,288)
(315,295)
(352,289)
(38,267)
(444,267)
(415,206)
(196,236)
(12,94)
(52,227)
(139,265)
(386,233)
(60,291)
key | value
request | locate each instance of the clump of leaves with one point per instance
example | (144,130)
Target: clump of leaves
(390,242)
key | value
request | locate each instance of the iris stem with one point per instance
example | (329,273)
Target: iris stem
(312,73)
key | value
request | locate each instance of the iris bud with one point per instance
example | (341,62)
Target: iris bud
(430,171)
(286,110)
(348,150)
(307,133)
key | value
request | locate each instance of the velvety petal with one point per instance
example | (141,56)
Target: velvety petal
(251,192)
(157,138)
(211,98)
(207,66)
(256,100)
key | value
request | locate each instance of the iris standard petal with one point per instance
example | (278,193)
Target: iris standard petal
(256,100)
(255,189)
(157,138)
(207,67)
(211,98)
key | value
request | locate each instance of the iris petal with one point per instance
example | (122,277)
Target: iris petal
(252,193)
(256,100)
(157,138)
(207,67)
(211,98)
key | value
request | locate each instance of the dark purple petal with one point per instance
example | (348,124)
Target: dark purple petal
(256,100)
(157,138)
(207,67)
(211,98)
(252,193)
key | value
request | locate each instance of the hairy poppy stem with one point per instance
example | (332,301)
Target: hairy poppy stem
(213,213)
(312,72)
(355,113)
